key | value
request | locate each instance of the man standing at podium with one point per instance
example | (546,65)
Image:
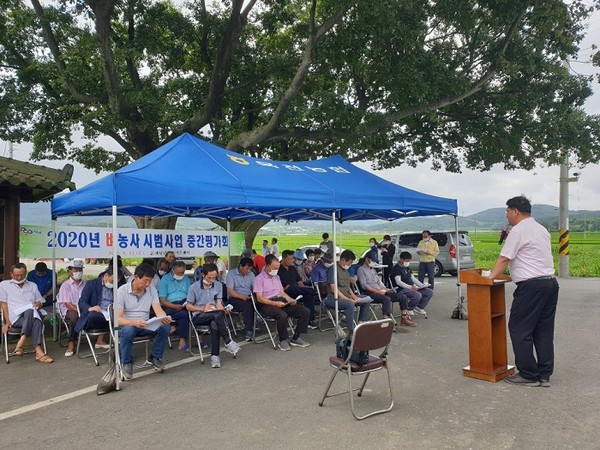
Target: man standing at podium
(528,253)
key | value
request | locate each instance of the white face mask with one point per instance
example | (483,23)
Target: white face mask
(108,285)
(345,266)
(178,277)
(20,281)
(272,272)
(328,264)
(77,276)
(311,258)
(162,273)
(298,262)
(372,264)
(406,263)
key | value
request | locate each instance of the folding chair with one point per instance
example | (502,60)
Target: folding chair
(368,336)
(266,321)
(318,287)
(138,340)
(89,334)
(14,332)
(196,331)
(62,323)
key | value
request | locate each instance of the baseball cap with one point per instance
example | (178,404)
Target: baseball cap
(210,254)
(327,258)
(299,254)
(247,253)
(76,264)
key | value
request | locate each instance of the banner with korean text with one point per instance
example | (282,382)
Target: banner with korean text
(87,242)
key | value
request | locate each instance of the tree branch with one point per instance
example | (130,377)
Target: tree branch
(220,73)
(253,137)
(57,55)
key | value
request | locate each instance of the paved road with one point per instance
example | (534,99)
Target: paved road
(268,399)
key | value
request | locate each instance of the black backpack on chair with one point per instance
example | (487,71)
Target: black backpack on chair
(342,347)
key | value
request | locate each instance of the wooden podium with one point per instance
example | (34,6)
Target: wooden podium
(487,326)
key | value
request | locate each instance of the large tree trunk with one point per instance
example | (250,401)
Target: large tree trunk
(158,223)
(250,227)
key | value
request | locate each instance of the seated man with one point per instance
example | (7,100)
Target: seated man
(170,257)
(42,277)
(347,299)
(373,286)
(293,285)
(418,294)
(309,264)
(133,310)
(21,304)
(205,303)
(172,292)
(299,261)
(319,272)
(259,261)
(239,291)
(275,303)
(211,258)
(164,267)
(94,302)
(68,298)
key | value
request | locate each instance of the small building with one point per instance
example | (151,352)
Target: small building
(24,182)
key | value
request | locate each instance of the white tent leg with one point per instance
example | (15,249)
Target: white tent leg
(55,336)
(115,295)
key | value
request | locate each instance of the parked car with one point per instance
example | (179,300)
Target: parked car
(446,261)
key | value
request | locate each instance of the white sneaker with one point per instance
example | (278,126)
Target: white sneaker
(420,311)
(69,353)
(411,312)
(232,347)
(215,362)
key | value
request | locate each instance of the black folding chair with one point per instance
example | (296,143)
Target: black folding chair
(368,336)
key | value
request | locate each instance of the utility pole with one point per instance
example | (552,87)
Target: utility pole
(563,218)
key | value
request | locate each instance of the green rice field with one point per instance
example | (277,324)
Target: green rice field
(584,258)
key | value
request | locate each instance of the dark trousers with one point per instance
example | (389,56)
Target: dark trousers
(218,329)
(387,299)
(183,321)
(30,326)
(309,298)
(246,309)
(71,319)
(427,268)
(281,315)
(96,321)
(531,325)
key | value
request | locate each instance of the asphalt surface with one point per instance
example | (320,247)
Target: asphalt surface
(269,399)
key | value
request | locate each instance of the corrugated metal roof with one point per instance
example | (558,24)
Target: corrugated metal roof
(41,182)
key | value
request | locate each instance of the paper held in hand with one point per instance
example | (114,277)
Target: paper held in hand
(155,322)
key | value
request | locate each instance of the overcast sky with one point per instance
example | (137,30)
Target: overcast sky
(475,191)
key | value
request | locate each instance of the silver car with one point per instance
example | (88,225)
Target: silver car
(446,261)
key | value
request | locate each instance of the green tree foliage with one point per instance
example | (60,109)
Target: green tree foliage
(462,83)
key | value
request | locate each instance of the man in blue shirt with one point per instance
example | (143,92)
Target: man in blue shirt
(205,302)
(173,290)
(239,291)
(42,277)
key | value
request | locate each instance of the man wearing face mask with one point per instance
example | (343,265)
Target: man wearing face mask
(299,262)
(388,250)
(275,303)
(205,301)
(347,299)
(294,286)
(164,267)
(375,289)
(309,264)
(172,292)
(68,297)
(319,273)
(418,295)
(16,294)
(94,302)
(427,249)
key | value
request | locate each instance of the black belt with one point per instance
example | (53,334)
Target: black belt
(543,277)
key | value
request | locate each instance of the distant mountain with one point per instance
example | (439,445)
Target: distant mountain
(489,219)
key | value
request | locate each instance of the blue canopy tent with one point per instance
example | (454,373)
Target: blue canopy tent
(194,178)
(189,177)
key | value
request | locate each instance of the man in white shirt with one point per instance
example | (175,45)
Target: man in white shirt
(21,304)
(528,253)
